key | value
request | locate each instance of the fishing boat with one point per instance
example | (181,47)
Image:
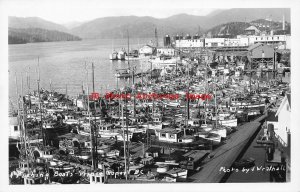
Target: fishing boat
(264,140)
(123,74)
(121,55)
(213,138)
(179,173)
(244,163)
(229,122)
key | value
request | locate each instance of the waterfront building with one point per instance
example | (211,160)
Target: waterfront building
(166,51)
(214,42)
(189,43)
(262,53)
(282,131)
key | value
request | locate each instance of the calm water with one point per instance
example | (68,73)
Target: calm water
(63,64)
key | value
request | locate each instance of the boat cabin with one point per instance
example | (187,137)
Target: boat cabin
(169,135)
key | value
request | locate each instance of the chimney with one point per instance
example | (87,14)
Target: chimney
(283,22)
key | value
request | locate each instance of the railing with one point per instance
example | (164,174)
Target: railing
(280,140)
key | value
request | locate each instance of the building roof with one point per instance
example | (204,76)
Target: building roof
(289,98)
(286,99)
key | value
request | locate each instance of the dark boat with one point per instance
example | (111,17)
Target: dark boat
(264,140)
(244,163)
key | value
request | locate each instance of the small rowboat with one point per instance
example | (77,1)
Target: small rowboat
(244,163)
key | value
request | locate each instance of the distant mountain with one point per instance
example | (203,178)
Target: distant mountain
(139,27)
(247,15)
(31,35)
(116,27)
(232,29)
(34,22)
(267,25)
(72,24)
(228,30)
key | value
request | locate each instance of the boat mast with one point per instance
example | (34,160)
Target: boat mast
(205,93)
(40,103)
(124,142)
(91,130)
(215,95)
(23,126)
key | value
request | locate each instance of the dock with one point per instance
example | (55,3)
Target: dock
(225,155)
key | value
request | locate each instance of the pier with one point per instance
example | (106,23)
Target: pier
(225,155)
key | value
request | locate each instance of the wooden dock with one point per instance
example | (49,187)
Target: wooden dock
(225,155)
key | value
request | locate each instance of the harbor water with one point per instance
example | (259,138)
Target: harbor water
(62,65)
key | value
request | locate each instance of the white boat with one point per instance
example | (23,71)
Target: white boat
(123,74)
(179,173)
(215,138)
(229,122)
(220,131)
(113,56)
(121,55)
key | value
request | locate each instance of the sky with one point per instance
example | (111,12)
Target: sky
(64,11)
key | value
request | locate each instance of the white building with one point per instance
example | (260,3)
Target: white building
(268,39)
(214,42)
(284,117)
(240,41)
(189,43)
(166,51)
(14,127)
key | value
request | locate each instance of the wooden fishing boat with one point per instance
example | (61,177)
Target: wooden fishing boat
(244,163)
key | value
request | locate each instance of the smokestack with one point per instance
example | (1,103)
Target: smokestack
(283,23)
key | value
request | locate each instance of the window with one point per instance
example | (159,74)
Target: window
(98,179)
(163,135)
(16,128)
(172,136)
(93,178)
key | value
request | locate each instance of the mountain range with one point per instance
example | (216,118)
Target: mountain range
(139,27)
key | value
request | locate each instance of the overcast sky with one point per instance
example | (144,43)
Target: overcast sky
(63,11)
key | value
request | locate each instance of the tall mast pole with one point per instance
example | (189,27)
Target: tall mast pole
(23,125)
(40,103)
(91,129)
(205,92)
(215,95)
(124,142)
(93,77)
